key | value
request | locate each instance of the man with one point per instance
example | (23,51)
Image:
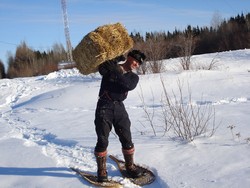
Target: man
(117,80)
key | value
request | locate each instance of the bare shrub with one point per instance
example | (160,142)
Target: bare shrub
(155,47)
(156,51)
(212,65)
(186,44)
(186,119)
(248,140)
(149,115)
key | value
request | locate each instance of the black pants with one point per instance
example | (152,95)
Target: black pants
(110,113)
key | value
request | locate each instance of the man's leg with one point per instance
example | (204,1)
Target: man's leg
(103,125)
(122,128)
(101,158)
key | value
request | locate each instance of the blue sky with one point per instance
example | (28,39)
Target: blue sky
(40,23)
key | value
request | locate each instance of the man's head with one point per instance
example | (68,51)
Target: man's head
(137,55)
(135,58)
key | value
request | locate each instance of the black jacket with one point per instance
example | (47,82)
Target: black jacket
(115,85)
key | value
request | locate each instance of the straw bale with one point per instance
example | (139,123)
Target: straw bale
(104,43)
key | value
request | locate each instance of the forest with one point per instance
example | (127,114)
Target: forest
(231,34)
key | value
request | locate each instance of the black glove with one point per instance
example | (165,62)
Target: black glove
(102,69)
(111,66)
(119,58)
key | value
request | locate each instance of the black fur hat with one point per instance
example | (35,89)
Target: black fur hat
(137,55)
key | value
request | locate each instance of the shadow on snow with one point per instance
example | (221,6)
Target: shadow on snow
(48,171)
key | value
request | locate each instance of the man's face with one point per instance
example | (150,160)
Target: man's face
(134,64)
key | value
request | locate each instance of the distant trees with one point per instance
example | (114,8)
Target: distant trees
(223,35)
(27,62)
(2,71)
(235,34)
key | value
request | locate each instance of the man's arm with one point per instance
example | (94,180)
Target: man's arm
(110,65)
(128,80)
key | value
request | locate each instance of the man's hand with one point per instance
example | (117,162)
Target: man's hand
(119,58)
(112,66)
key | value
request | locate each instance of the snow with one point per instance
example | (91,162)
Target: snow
(46,126)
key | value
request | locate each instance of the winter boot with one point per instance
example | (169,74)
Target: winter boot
(129,163)
(101,158)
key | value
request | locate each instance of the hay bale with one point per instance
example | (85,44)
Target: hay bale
(104,43)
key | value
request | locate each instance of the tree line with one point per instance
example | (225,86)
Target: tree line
(28,62)
(231,34)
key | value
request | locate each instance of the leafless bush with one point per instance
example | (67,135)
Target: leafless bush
(248,140)
(212,65)
(231,127)
(149,115)
(155,47)
(238,135)
(156,50)
(186,119)
(186,44)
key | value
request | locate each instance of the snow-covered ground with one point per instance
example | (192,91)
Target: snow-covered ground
(46,126)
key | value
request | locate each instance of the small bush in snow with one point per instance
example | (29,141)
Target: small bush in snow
(149,115)
(231,127)
(186,119)
(248,140)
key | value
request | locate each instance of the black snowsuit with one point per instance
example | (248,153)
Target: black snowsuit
(110,109)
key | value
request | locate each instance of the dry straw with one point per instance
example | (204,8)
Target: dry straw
(104,43)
